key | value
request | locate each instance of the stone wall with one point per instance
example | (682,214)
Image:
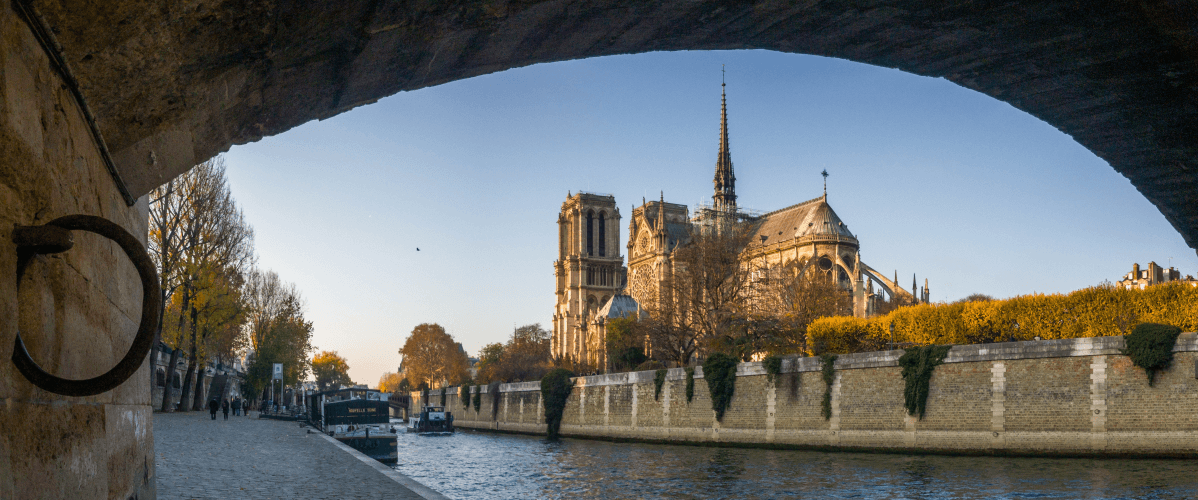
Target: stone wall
(1054,397)
(77,311)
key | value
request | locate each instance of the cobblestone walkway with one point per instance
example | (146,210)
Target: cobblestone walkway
(245,458)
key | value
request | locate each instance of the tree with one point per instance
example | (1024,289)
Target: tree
(702,294)
(202,247)
(793,299)
(488,363)
(431,356)
(277,330)
(330,370)
(625,344)
(393,383)
(526,355)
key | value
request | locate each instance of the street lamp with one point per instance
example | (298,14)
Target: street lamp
(892,335)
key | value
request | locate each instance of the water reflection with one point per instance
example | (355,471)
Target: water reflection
(479,465)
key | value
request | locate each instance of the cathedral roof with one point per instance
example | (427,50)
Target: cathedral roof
(618,306)
(809,218)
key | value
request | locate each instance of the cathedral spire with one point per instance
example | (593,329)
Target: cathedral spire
(725,178)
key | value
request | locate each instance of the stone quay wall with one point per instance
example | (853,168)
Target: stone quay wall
(77,311)
(1055,397)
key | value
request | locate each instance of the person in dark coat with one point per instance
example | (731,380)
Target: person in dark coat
(212,406)
(224,407)
(236,406)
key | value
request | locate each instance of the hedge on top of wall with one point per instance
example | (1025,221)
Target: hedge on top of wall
(478,397)
(828,370)
(720,372)
(555,390)
(659,379)
(773,367)
(1150,346)
(493,390)
(1091,312)
(918,364)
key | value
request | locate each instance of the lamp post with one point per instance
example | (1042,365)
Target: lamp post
(892,335)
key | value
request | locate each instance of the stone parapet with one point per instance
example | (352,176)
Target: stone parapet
(1075,397)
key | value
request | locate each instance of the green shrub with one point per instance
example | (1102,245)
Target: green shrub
(478,397)
(555,390)
(918,364)
(493,390)
(690,384)
(464,394)
(659,379)
(773,367)
(720,372)
(651,364)
(1150,346)
(829,371)
(442,397)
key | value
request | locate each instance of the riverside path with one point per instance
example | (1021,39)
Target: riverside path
(245,458)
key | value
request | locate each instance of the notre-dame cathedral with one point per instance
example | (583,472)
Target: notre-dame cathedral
(593,284)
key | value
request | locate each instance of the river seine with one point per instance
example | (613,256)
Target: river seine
(472,465)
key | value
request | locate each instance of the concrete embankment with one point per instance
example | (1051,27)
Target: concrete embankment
(1057,397)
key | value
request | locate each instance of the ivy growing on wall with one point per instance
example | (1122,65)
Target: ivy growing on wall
(720,372)
(1150,346)
(918,364)
(773,367)
(829,372)
(493,390)
(464,394)
(478,397)
(659,379)
(442,397)
(690,384)
(555,390)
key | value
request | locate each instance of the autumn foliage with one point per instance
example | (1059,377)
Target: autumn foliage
(330,370)
(1091,312)
(431,357)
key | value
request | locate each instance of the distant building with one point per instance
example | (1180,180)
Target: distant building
(593,285)
(1152,275)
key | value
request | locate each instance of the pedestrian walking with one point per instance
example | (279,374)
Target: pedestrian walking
(224,407)
(236,406)
(212,406)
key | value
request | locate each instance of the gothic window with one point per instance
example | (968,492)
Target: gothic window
(590,232)
(160,376)
(825,264)
(175,380)
(602,234)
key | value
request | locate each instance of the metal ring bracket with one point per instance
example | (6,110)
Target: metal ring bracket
(55,237)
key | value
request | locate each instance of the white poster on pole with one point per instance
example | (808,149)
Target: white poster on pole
(278,372)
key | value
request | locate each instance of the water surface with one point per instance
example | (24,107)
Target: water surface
(482,465)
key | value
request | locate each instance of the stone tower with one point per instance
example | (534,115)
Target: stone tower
(589,271)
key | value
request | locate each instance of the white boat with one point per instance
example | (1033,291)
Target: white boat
(431,420)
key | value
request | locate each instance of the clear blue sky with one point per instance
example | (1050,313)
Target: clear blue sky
(934,179)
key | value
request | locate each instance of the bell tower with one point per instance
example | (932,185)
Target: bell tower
(589,271)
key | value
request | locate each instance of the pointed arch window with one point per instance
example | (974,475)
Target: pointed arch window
(602,234)
(590,233)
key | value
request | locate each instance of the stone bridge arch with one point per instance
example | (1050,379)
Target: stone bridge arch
(172,84)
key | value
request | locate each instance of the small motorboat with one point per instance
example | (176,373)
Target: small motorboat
(431,420)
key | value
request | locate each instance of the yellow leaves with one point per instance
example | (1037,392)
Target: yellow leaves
(1090,312)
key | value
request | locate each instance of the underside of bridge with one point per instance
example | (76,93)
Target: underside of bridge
(188,79)
(100,102)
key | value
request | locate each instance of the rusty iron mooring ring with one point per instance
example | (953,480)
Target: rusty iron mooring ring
(55,237)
